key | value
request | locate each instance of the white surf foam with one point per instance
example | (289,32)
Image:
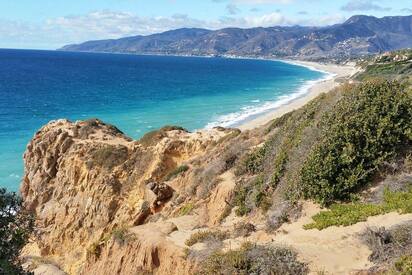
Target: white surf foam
(248,112)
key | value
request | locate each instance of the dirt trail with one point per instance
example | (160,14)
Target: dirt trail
(335,250)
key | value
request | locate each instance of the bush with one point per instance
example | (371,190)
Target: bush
(389,247)
(108,156)
(186,209)
(348,214)
(254,259)
(243,229)
(120,235)
(206,235)
(239,199)
(252,164)
(368,126)
(176,172)
(403,266)
(16,226)
(153,137)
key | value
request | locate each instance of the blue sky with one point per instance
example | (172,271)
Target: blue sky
(48,24)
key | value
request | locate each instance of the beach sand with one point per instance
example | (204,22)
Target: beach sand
(338,74)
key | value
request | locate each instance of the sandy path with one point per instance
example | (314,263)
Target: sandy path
(336,250)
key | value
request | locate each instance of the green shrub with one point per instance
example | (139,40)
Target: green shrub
(253,162)
(120,235)
(206,235)
(403,266)
(261,197)
(279,167)
(279,122)
(16,226)
(153,137)
(186,209)
(348,214)
(254,259)
(176,172)
(240,200)
(366,127)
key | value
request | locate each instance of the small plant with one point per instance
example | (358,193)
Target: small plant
(262,199)
(120,235)
(186,253)
(206,235)
(108,156)
(95,249)
(252,164)
(278,122)
(241,195)
(186,209)
(153,137)
(254,259)
(403,266)
(243,229)
(408,163)
(225,213)
(348,214)
(180,169)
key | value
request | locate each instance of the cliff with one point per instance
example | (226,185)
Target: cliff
(86,180)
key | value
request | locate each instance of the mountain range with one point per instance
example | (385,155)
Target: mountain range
(359,35)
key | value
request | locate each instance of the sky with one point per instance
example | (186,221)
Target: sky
(50,24)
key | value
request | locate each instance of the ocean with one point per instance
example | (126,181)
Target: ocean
(136,93)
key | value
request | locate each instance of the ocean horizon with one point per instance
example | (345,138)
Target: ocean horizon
(136,93)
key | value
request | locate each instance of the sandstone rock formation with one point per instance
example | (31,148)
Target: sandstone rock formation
(85,180)
(106,204)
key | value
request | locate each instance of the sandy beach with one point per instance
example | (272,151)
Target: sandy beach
(337,74)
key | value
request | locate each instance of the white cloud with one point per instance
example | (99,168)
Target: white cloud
(363,5)
(109,24)
(232,9)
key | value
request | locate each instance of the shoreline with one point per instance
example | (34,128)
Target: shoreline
(333,73)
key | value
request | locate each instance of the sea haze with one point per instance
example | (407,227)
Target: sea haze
(136,93)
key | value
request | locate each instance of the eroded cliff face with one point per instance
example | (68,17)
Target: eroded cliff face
(85,180)
(106,204)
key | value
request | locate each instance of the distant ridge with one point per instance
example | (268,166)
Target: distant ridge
(359,35)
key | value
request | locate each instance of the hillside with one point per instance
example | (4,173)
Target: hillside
(323,189)
(359,35)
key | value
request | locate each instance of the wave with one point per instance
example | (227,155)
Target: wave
(247,113)
(13,175)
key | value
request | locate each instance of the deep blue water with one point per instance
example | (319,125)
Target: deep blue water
(135,93)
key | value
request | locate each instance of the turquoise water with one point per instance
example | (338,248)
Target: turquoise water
(135,93)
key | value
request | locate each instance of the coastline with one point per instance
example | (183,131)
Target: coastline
(333,72)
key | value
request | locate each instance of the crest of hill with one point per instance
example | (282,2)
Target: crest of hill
(359,35)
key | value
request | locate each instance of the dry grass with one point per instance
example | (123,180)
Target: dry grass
(254,259)
(206,236)
(389,246)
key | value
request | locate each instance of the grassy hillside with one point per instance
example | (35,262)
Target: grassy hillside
(335,148)
(391,65)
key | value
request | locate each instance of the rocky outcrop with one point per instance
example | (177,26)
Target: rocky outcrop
(142,250)
(106,204)
(85,180)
